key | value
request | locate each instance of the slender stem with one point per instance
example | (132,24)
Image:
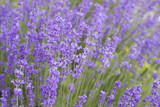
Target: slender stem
(17,96)
(48,98)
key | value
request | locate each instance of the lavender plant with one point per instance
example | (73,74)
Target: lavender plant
(79,53)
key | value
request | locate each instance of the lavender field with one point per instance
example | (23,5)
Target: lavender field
(79,53)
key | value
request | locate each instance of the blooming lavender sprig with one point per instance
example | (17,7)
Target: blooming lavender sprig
(12,39)
(49,89)
(82,99)
(78,69)
(102,97)
(4,98)
(154,96)
(155,75)
(99,83)
(17,96)
(134,52)
(107,51)
(71,87)
(33,19)
(17,91)
(18,73)
(30,94)
(112,93)
(131,97)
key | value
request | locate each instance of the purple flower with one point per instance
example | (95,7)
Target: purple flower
(155,75)
(117,84)
(154,96)
(17,82)
(3,47)
(67,97)
(4,98)
(30,94)
(125,64)
(157,61)
(131,97)
(125,84)
(18,73)
(20,2)
(17,92)
(82,99)
(71,87)
(2,63)
(98,83)
(22,63)
(112,93)
(134,52)
(49,89)
(102,97)
(2,79)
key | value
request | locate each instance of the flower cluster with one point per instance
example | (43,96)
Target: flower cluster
(154,96)
(102,97)
(51,49)
(113,91)
(71,87)
(48,89)
(4,98)
(131,97)
(82,99)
